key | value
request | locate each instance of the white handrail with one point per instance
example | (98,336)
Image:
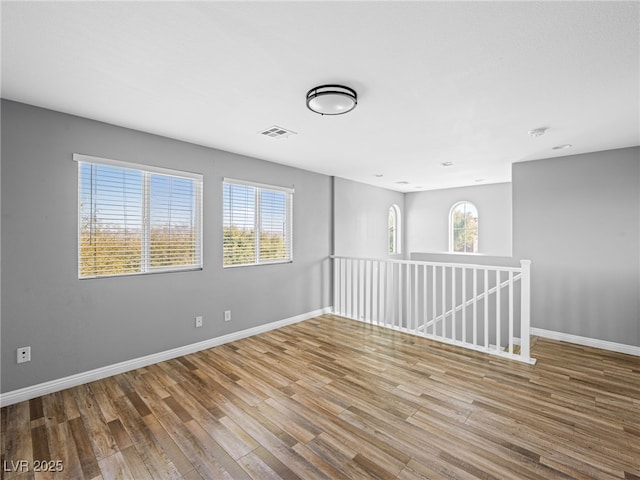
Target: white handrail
(424,298)
(422,262)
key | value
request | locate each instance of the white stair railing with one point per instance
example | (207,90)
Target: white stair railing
(484,308)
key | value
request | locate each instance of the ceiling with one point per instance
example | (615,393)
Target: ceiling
(459,82)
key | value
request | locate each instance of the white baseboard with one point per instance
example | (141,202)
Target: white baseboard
(586,341)
(27,393)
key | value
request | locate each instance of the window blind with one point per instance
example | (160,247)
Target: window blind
(137,219)
(256,223)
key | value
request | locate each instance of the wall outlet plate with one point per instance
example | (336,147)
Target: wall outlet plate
(198,321)
(24,354)
(227,315)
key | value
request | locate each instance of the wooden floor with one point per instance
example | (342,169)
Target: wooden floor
(338,399)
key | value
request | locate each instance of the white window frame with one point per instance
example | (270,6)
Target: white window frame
(397,234)
(146,171)
(451,240)
(289,191)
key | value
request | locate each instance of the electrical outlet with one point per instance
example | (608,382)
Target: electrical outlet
(227,315)
(198,321)
(24,354)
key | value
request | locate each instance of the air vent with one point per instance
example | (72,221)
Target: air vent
(277,132)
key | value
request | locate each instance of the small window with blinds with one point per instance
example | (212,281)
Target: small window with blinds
(256,223)
(136,219)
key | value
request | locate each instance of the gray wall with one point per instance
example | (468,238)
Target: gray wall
(362,219)
(428,218)
(577,219)
(74,326)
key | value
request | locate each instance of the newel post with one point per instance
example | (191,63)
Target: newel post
(525,310)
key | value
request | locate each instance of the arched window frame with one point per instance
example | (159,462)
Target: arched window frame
(451,227)
(395,230)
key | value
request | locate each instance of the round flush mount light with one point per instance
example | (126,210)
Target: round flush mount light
(331,99)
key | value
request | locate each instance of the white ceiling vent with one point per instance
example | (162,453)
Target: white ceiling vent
(277,132)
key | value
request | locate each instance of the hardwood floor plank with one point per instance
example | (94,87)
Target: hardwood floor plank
(114,467)
(164,459)
(88,460)
(135,463)
(330,398)
(17,441)
(256,468)
(101,439)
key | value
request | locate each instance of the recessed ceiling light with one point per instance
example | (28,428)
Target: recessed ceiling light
(403,182)
(447,164)
(478,180)
(419,187)
(379,175)
(562,147)
(538,132)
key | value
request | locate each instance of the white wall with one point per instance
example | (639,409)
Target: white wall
(76,325)
(577,219)
(361,219)
(427,218)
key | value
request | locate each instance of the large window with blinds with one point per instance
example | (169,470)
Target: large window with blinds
(256,223)
(136,219)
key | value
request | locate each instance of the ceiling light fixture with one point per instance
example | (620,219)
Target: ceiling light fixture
(562,147)
(331,99)
(447,164)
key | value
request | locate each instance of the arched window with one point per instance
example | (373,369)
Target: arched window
(463,228)
(394,230)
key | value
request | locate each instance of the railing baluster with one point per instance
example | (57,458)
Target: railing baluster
(425,303)
(375,290)
(486,308)
(525,309)
(347,273)
(381,291)
(510,312)
(336,285)
(343,288)
(443,330)
(464,305)
(393,294)
(453,303)
(365,290)
(398,318)
(475,306)
(369,291)
(358,290)
(498,329)
(361,278)
(408,321)
(416,297)
(352,290)
(382,268)
(434,303)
